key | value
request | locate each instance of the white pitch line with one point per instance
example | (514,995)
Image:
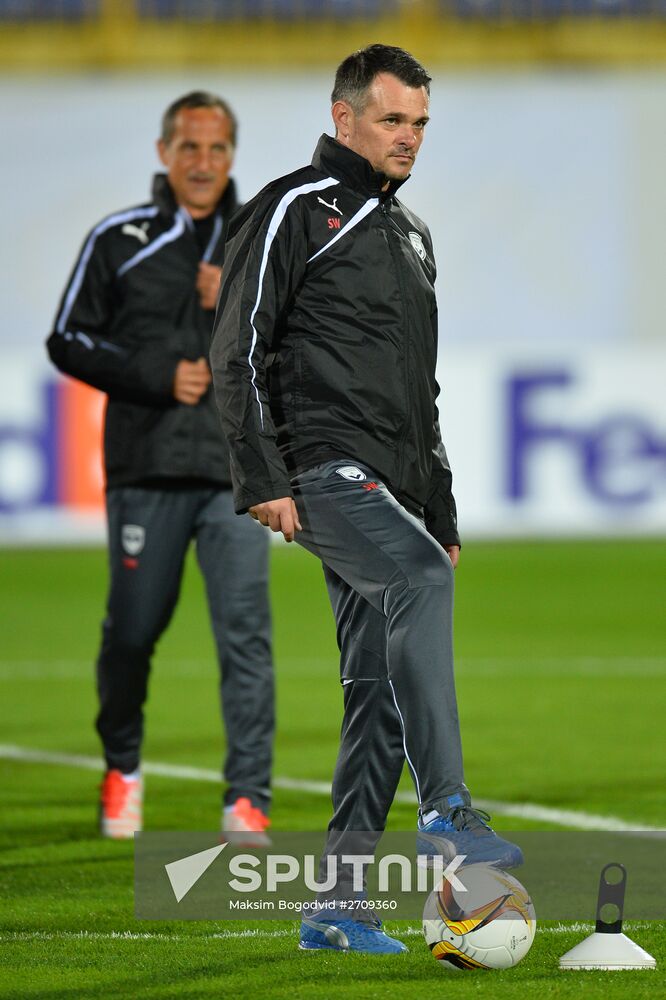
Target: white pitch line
(576,927)
(520,810)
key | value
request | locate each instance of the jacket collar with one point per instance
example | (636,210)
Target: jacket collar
(353,170)
(164,198)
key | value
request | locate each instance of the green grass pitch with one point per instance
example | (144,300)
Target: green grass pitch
(561,674)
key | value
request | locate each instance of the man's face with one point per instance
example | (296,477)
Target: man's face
(389,130)
(198,158)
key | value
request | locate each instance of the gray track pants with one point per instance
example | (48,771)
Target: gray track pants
(391,588)
(149,533)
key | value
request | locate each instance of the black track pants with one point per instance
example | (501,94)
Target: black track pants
(149,534)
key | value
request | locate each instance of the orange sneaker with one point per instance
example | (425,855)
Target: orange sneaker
(244,824)
(120,806)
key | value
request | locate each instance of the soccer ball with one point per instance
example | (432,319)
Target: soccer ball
(491,925)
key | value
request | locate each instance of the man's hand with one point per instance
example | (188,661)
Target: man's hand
(453,552)
(191,380)
(278,515)
(208,284)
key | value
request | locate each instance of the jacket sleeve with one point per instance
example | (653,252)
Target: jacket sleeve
(131,364)
(264,263)
(441,517)
(440,510)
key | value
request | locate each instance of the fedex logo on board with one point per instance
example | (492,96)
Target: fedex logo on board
(618,453)
(53,458)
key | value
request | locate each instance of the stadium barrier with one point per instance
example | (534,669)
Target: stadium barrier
(39,35)
(543,442)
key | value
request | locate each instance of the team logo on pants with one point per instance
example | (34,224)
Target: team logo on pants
(351,472)
(133,539)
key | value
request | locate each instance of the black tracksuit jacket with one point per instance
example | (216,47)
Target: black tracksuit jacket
(129,314)
(326,338)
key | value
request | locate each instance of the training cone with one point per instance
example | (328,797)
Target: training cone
(608,948)
(607,951)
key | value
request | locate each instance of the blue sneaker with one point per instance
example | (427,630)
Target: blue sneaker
(464,831)
(333,929)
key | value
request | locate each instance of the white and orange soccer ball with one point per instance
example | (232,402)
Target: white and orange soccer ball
(490,925)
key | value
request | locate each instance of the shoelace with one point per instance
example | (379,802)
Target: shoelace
(466,818)
(364,915)
(361,914)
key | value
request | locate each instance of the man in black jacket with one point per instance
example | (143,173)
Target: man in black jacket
(135,321)
(323,361)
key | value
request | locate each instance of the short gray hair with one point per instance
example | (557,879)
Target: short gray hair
(196,99)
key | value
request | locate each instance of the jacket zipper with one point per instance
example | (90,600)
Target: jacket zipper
(197,415)
(391,226)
